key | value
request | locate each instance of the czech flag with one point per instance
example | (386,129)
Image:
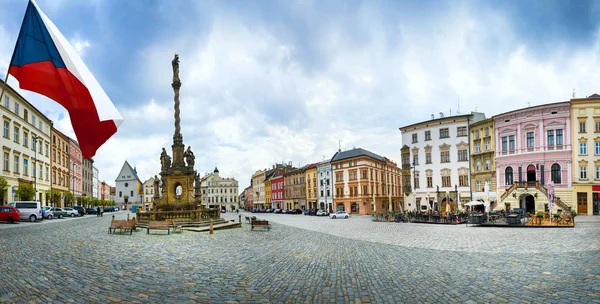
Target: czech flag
(44,62)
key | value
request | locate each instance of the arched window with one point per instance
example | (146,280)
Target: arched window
(508,176)
(556,174)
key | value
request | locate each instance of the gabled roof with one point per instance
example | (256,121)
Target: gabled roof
(128,166)
(356,152)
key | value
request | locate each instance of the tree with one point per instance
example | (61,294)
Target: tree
(54,196)
(3,188)
(69,198)
(25,192)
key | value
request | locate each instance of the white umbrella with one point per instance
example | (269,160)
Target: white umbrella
(474,203)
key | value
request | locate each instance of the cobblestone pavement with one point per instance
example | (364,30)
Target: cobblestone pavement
(79,262)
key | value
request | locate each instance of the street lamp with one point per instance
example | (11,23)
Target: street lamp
(414,167)
(35,138)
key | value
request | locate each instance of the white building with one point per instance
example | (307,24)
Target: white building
(95,183)
(128,187)
(25,146)
(325,184)
(439,157)
(219,192)
(148,193)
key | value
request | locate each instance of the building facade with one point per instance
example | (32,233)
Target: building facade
(61,179)
(249,195)
(95,183)
(219,192)
(365,183)
(75,168)
(296,190)
(324,186)
(87,177)
(439,160)
(104,191)
(533,148)
(25,147)
(310,178)
(258,186)
(277,190)
(128,187)
(483,163)
(148,197)
(585,119)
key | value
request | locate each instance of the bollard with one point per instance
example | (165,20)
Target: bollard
(127,216)
(211,226)
(240,218)
(113,217)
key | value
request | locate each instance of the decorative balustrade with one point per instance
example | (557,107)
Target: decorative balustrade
(524,185)
(179,216)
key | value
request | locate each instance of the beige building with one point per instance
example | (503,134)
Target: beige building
(25,146)
(60,163)
(366,183)
(148,196)
(585,134)
(483,166)
(310,178)
(219,192)
(258,188)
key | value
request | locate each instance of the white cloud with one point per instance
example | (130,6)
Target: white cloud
(80,45)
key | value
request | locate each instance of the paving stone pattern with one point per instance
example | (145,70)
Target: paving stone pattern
(331,261)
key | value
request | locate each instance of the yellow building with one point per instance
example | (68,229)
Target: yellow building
(483,166)
(310,178)
(268,193)
(585,135)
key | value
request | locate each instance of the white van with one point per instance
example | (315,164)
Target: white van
(30,210)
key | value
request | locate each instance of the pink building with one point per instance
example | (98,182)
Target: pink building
(533,148)
(76,168)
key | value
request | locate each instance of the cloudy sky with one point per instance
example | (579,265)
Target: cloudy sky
(274,81)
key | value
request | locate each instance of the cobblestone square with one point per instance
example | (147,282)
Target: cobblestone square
(302,259)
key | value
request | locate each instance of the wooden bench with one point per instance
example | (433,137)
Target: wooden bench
(176,227)
(159,225)
(122,225)
(260,223)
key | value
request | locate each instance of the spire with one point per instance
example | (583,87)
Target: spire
(216,170)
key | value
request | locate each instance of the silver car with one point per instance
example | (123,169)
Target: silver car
(47,212)
(339,214)
(71,212)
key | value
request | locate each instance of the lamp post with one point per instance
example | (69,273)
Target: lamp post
(414,167)
(35,138)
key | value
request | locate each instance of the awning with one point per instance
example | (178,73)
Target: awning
(483,195)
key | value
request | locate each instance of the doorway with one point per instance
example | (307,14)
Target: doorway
(528,203)
(582,202)
(531,173)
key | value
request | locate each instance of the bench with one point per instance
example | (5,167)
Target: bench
(176,227)
(260,223)
(122,225)
(159,225)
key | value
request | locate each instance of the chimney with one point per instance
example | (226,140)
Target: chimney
(441,114)
(432,117)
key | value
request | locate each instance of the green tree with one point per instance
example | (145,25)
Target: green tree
(54,196)
(69,198)
(3,188)
(25,192)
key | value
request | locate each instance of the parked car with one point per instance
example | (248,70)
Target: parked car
(322,213)
(71,212)
(339,214)
(47,212)
(59,212)
(29,210)
(295,211)
(9,214)
(109,209)
(80,209)
(92,210)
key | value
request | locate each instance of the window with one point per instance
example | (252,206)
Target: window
(478,166)
(559,137)
(427,135)
(120,194)
(6,102)
(16,164)
(597,172)
(428,158)
(487,132)
(555,174)
(530,140)
(444,133)
(461,131)
(17,108)
(478,185)
(416,179)
(414,138)
(504,143)
(487,164)
(429,182)
(6,129)
(597,126)
(40,125)
(5,167)
(462,155)
(582,172)
(477,134)
(582,148)
(463,180)
(582,127)
(487,145)
(446,181)
(511,143)
(16,134)
(477,147)
(25,115)
(33,120)
(362,172)
(550,138)
(25,140)
(508,176)
(25,167)
(597,148)
(445,156)
(415,159)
